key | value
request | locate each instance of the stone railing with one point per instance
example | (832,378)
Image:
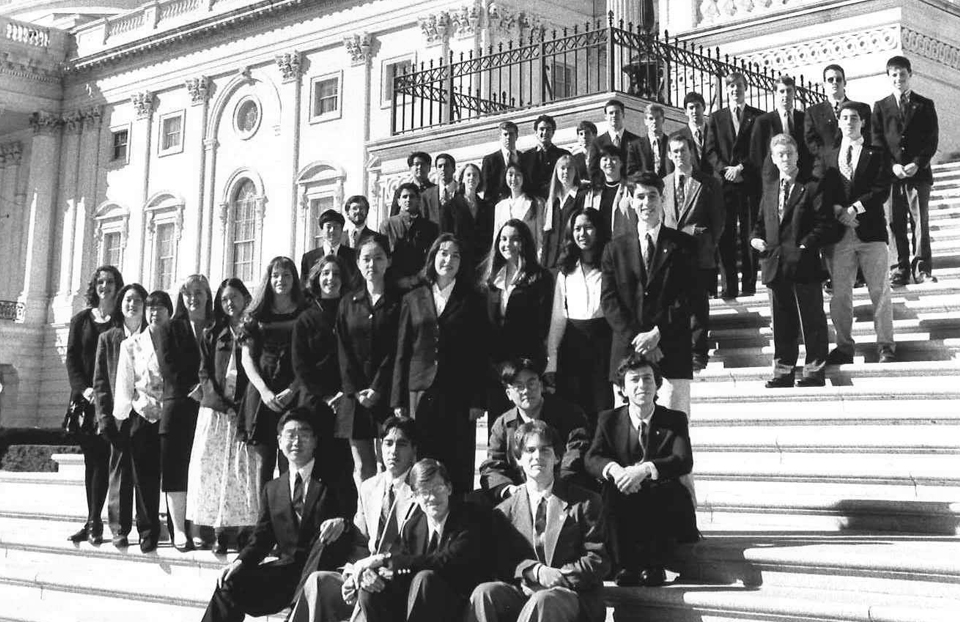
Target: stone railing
(176,8)
(715,12)
(22,32)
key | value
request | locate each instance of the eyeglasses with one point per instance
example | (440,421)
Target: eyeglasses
(530,385)
(299,435)
(833,79)
(432,492)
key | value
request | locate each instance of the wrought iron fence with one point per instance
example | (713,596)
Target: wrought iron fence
(595,58)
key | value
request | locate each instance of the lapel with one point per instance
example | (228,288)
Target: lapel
(664,248)
(556,516)
(493,305)
(911,109)
(524,517)
(624,433)
(310,501)
(862,164)
(452,303)
(796,195)
(635,264)
(689,199)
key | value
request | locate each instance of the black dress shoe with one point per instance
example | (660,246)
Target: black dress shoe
(78,537)
(95,535)
(899,278)
(728,294)
(838,357)
(121,542)
(699,362)
(628,578)
(887,357)
(779,382)
(653,576)
(811,381)
(148,544)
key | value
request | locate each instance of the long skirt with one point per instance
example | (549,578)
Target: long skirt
(223,485)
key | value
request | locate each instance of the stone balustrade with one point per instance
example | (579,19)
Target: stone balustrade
(716,12)
(22,32)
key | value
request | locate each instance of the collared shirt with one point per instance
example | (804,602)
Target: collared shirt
(500,281)
(509,156)
(616,137)
(836,103)
(139,384)
(350,230)
(736,116)
(434,527)
(448,190)
(786,118)
(305,472)
(642,231)
(854,161)
(536,497)
(331,250)
(441,296)
(230,378)
(899,96)
(637,422)
(576,296)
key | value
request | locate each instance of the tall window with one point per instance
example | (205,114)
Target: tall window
(171,133)
(112,249)
(244,231)
(121,139)
(317,207)
(563,77)
(166,250)
(326,97)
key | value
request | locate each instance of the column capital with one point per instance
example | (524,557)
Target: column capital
(73,122)
(289,65)
(435,27)
(11,153)
(92,117)
(45,123)
(199,89)
(143,104)
(360,47)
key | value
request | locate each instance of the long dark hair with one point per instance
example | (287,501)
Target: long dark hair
(529,268)
(92,298)
(429,272)
(570,254)
(313,281)
(116,317)
(263,300)
(181,312)
(220,319)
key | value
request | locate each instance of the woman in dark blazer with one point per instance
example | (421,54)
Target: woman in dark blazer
(441,361)
(85,330)
(519,297)
(564,187)
(367,337)
(470,218)
(127,319)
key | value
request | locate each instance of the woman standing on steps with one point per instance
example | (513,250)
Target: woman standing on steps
(85,330)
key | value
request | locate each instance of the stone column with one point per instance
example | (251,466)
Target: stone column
(7,215)
(289,65)
(40,206)
(12,243)
(207,201)
(360,47)
(85,257)
(69,165)
(143,105)
(199,89)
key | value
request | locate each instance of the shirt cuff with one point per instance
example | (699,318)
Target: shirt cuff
(654,473)
(859,207)
(606,470)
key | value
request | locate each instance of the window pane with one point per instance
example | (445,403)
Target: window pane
(112,251)
(171,132)
(120,139)
(244,232)
(326,95)
(317,207)
(166,252)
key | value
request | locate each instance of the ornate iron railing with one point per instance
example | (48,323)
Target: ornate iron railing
(575,62)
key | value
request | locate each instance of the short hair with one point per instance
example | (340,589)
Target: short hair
(647,178)
(510,126)
(425,470)
(92,298)
(587,126)
(785,81)
(609,150)
(447,156)
(834,67)
(429,271)
(899,62)
(693,98)
(412,187)
(851,105)
(357,198)
(158,298)
(537,427)
(784,139)
(634,362)
(423,155)
(681,137)
(545,118)
(734,76)
(313,275)
(614,102)
(511,370)
(405,424)
(300,414)
(654,109)
(330,215)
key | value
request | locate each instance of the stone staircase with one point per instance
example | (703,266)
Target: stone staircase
(840,503)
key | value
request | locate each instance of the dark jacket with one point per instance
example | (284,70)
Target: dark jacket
(701,215)
(315,358)
(766,127)
(630,157)
(105,373)
(474,233)
(910,140)
(493,171)
(821,130)
(700,160)
(350,274)
(870,186)
(178,354)
(537,170)
(82,350)
(409,244)
(648,161)
(522,330)
(216,347)
(724,148)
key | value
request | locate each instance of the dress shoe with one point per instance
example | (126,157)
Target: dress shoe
(121,542)
(653,576)
(839,357)
(699,362)
(184,547)
(887,356)
(78,537)
(95,535)
(899,278)
(779,382)
(148,544)
(728,294)
(219,547)
(628,578)
(924,277)
(811,381)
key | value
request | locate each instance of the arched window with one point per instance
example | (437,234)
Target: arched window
(244,231)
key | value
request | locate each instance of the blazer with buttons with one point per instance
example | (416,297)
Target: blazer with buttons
(913,139)
(701,215)
(870,186)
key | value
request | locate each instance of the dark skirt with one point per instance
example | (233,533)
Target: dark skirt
(445,433)
(582,360)
(178,422)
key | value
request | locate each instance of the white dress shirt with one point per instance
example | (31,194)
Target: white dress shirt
(576,297)
(500,281)
(139,385)
(305,472)
(434,527)
(857,145)
(642,231)
(441,296)
(536,497)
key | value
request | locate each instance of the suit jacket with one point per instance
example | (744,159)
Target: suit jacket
(409,244)
(805,223)
(629,154)
(913,139)
(635,302)
(474,233)
(350,274)
(592,196)
(314,353)
(105,373)
(367,232)
(463,558)
(574,542)
(821,130)
(429,202)
(766,127)
(82,343)
(367,520)
(216,347)
(870,186)
(178,354)
(454,343)
(522,330)
(648,161)
(725,148)
(580,161)
(553,240)
(700,161)
(492,177)
(500,469)
(537,172)
(701,215)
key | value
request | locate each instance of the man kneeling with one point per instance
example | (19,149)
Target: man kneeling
(550,538)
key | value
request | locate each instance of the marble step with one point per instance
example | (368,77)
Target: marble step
(859,373)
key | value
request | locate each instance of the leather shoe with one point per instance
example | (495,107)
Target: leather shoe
(924,277)
(628,578)
(95,536)
(121,542)
(653,577)
(219,548)
(779,382)
(811,381)
(79,536)
(699,362)
(148,544)
(839,357)
(728,294)
(185,547)
(887,357)
(898,278)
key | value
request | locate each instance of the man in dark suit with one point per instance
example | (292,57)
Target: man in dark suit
(821,131)
(586,134)
(791,228)
(419,164)
(616,136)
(297,511)
(696,129)
(443,555)
(494,165)
(330,233)
(640,451)
(500,474)
(410,236)
(856,184)
(784,120)
(648,280)
(538,163)
(905,125)
(728,150)
(355,229)
(653,145)
(551,543)
(693,203)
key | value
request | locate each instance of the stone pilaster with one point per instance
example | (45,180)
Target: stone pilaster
(85,257)
(143,105)
(290,91)
(206,206)
(67,214)
(11,281)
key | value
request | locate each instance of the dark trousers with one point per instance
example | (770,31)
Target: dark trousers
(428,597)
(446,432)
(797,312)
(646,525)
(120,496)
(583,360)
(254,590)
(145,461)
(96,475)
(910,205)
(700,309)
(740,214)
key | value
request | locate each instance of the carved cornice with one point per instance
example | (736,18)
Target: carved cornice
(73,122)
(466,20)
(359,47)
(143,104)
(926,46)
(289,65)
(435,27)
(512,23)
(828,49)
(45,123)
(199,89)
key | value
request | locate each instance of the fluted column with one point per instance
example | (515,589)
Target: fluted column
(208,201)
(143,105)
(85,257)
(290,91)
(11,243)
(69,166)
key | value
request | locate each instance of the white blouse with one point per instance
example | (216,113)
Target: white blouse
(139,383)
(576,296)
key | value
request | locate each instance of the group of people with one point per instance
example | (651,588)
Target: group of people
(560,293)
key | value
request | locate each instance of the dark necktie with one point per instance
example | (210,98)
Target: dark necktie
(904,105)
(655,145)
(386,509)
(790,123)
(836,110)
(648,253)
(539,527)
(297,501)
(846,163)
(782,204)
(354,237)
(616,140)
(644,436)
(434,543)
(388,528)
(681,183)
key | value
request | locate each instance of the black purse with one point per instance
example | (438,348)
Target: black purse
(79,418)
